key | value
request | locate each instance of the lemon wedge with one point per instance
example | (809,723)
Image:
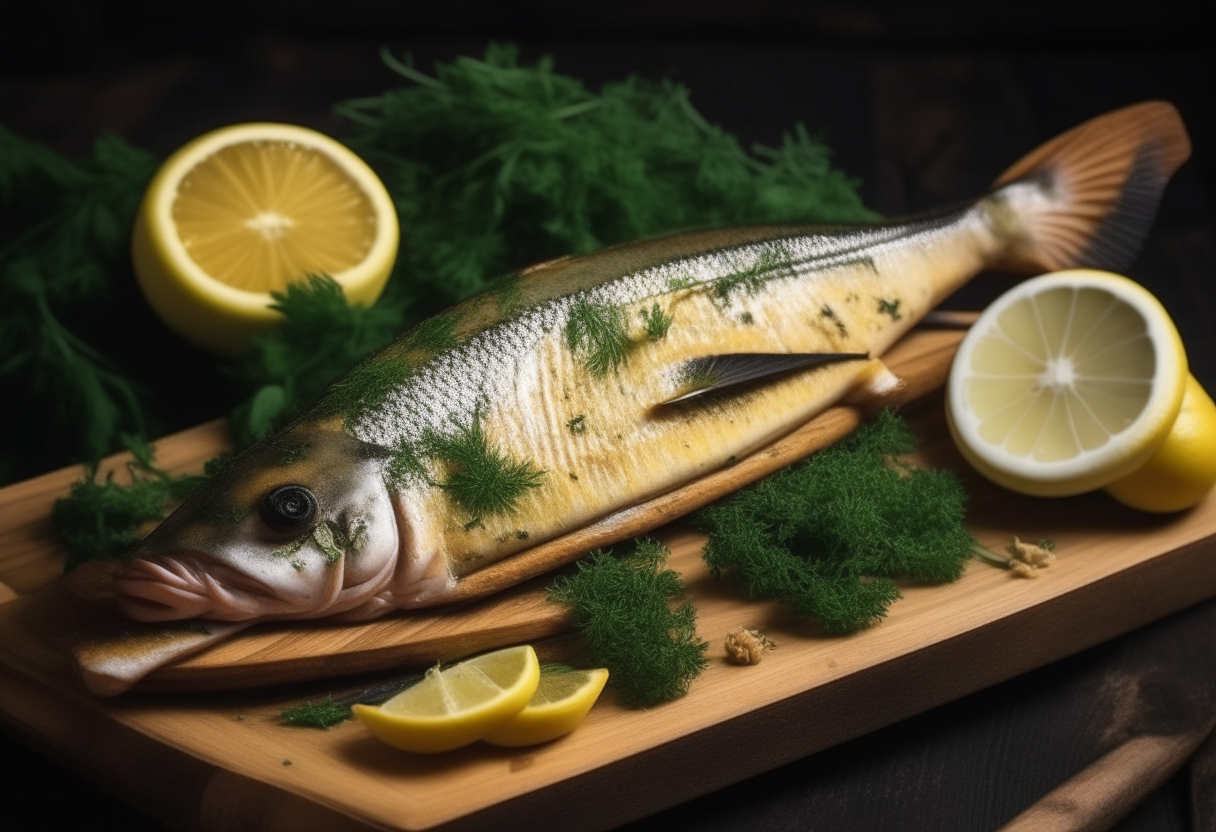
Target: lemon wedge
(1183,470)
(458,705)
(561,701)
(243,211)
(1066,383)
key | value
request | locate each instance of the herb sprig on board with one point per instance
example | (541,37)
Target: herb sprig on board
(830,536)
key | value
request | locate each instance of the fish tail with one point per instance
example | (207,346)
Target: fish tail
(1087,198)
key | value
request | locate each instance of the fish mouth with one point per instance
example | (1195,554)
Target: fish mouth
(188,585)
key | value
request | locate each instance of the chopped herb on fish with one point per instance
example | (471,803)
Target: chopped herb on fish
(577,425)
(597,332)
(433,335)
(890,307)
(657,322)
(481,479)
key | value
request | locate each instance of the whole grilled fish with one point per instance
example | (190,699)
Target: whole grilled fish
(584,386)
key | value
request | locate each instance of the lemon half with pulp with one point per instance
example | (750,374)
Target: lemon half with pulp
(458,705)
(559,705)
(1066,383)
(243,211)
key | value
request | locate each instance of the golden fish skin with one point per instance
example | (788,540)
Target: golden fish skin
(545,404)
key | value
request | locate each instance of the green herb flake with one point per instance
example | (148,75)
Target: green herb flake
(889,307)
(657,322)
(598,332)
(480,479)
(434,335)
(772,262)
(622,607)
(828,537)
(335,710)
(100,519)
(577,425)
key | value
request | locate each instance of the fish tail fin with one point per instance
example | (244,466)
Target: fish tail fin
(1087,198)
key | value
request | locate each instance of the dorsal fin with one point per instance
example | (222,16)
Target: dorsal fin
(709,373)
(1089,196)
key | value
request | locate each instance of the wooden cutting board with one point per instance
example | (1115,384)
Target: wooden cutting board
(224,760)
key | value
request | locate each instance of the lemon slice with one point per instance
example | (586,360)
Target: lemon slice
(1066,383)
(561,701)
(456,706)
(1183,469)
(245,210)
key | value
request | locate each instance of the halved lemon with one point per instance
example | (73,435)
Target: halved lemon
(561,702)
(458,705)
(245,210)
(1066,383)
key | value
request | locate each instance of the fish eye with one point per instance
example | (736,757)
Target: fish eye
(289,508)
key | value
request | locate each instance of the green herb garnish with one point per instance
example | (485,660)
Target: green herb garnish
(828,537)
(622,608)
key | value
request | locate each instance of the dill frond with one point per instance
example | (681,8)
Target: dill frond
(480,479)
(657,322)
(101,520)
(598,332)
(333,711)
(623,609)
(889,307)
(829,536)
(433,335)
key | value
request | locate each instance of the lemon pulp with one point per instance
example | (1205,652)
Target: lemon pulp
(260,214)
(453,707)
(559,705)
(245,210)
(1066,383)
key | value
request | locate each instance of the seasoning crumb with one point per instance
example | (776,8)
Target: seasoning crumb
(1035,555)
(287,762)
(1023,570)
(745,645)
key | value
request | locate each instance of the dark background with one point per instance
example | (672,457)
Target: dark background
(924,104)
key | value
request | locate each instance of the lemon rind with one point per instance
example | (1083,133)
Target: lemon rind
(543,723)
(1088,470)
(209,312)
(434,734)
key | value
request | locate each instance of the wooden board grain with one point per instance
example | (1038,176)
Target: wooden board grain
(224,760)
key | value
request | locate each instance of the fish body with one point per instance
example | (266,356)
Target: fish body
(584,386)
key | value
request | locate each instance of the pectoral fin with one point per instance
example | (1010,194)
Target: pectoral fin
(716,372)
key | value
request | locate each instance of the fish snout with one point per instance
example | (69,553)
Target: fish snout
(176,588)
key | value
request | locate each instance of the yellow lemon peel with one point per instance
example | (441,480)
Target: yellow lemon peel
(458,705)
(559,705)
(1066,383)
(1183,470)
(243,211)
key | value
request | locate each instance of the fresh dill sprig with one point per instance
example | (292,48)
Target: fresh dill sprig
(622,607)
(828,537)
(321,337)
(657,322)
(481,479)
(100,519)
(598,333)
(333,710)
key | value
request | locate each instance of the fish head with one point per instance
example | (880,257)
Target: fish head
(298,526)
